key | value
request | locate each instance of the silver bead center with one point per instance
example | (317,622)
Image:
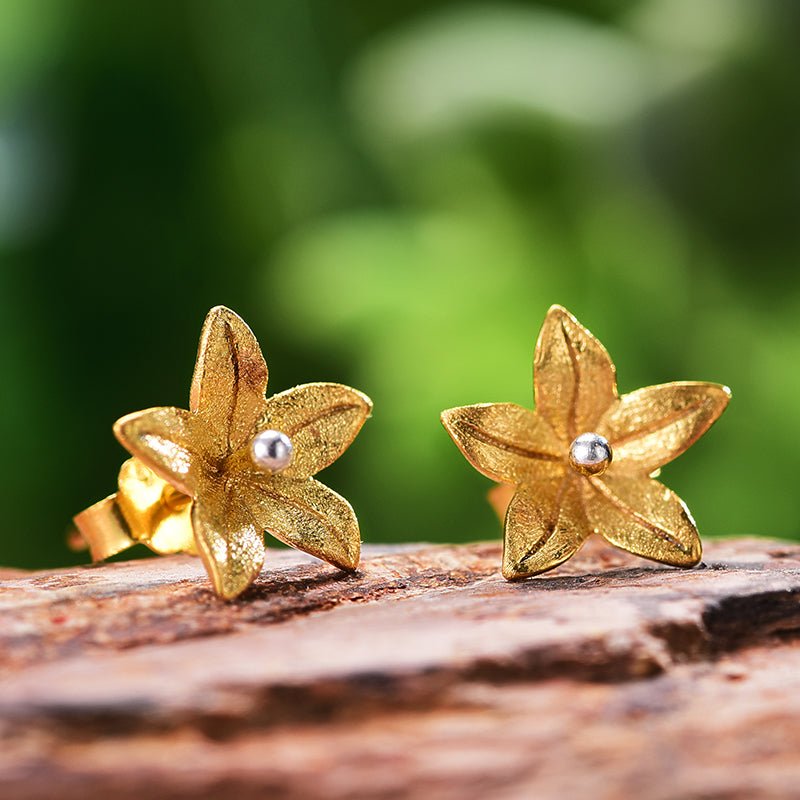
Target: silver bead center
(271,451)
(590,454)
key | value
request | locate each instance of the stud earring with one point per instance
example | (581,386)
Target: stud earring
(585,460)
(211,480)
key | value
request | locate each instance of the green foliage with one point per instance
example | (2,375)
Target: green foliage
(392,195)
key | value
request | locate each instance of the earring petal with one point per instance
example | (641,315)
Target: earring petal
(504,441)
(167,440)
(574,377)
(230,380)
(644,517)
(652,426)
(545,525)
(321,419)
(228,541)
(307,515)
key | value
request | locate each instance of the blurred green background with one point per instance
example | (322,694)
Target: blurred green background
(392,194)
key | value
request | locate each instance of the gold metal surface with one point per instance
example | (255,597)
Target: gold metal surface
(104,529)
(157,514)
(192,485)
(551,508)
(146,509)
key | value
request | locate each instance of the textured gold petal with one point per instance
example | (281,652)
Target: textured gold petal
(227,539)
(650,427)
(305,514)
(545,525)
(165,440)
(504,441)
(645,518)
(574,377)
(230,379)
(156,513)
(321,419)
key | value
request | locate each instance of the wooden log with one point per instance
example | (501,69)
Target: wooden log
(424,675)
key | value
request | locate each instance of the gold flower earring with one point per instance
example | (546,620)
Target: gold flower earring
(212,479)
(586,459)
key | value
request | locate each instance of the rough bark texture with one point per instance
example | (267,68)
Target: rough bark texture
(424,675)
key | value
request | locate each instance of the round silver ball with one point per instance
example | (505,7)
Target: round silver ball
(271,451)
(590,454)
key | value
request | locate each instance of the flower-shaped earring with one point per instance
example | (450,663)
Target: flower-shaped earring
(212,479)
(585,460)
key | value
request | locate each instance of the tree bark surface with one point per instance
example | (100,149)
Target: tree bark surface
(423,675)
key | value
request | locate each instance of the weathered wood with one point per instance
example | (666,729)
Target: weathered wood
(424,675)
